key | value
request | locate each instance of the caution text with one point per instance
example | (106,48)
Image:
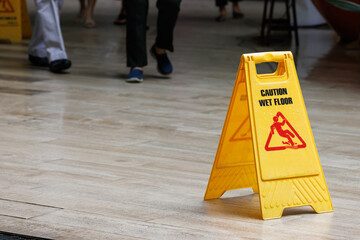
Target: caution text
(274,101)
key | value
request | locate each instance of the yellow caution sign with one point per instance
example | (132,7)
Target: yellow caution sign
(13,14)
(25,21)
(267,142)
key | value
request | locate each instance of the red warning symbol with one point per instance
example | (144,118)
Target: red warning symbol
(283,135)
(6,7)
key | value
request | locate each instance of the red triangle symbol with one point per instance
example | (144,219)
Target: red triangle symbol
(283,135)
(6,7)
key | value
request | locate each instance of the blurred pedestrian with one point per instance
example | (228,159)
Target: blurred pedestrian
(136,16)
(237,12)
(86,13)
(46,47)
(121,18)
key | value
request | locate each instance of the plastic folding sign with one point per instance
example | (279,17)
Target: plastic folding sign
(267,143)
(14,20)
(25,21)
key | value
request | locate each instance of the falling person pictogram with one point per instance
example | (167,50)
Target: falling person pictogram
(292,136)
(283,133)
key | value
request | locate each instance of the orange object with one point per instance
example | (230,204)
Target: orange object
(345,23)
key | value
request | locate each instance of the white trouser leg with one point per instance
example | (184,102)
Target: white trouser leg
(47,32)
(37,46)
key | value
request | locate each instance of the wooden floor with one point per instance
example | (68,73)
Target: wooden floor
(85,155)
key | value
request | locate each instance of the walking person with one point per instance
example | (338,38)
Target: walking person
(136,18)
(237,12)
(86,13)
(121,18)
(46,47)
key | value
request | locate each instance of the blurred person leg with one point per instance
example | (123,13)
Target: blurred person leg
(121,18)
(136,15)
(237,12)
(37,48)
(47,36)
(221,4)
(82,12)
(167,18)
(137,11)
(89,18)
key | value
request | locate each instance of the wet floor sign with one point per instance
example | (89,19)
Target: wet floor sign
(14,21)
(267,143)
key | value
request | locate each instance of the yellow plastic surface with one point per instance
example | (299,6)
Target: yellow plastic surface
(10,20)
(267,143)
(25,21)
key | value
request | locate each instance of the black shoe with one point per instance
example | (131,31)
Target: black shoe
(39,61)
(58,65)
(220,18)
(237,15)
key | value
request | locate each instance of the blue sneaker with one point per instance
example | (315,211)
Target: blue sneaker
(135,76)
(163,63)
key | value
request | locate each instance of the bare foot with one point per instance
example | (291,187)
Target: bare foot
(120,21)
(237,12)
(90,23)
(80,18)
(222,11)
(222,14)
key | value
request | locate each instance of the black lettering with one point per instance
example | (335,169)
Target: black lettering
(283,101)
(273,92)
(262,103)
(265,102)
(276,101)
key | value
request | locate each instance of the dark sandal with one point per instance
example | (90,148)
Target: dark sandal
(237,15)
(220,18)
